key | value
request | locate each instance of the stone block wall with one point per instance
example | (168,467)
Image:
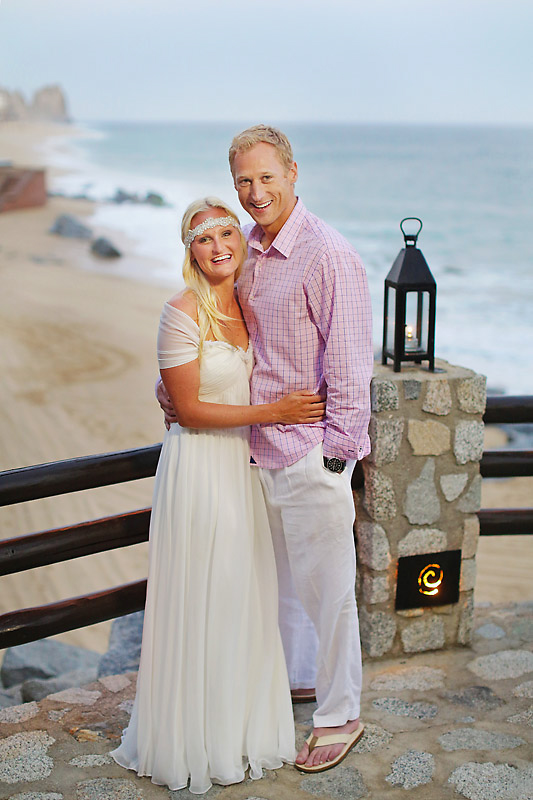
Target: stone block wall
(421,493)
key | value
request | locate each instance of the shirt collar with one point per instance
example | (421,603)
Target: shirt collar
(286,237)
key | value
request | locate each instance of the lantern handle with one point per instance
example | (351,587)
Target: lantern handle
(410,238)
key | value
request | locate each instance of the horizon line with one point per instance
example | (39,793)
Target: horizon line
(353,123)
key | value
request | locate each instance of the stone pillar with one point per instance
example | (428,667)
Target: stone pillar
(421,493)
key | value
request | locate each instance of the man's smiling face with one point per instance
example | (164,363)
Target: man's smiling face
(265,187)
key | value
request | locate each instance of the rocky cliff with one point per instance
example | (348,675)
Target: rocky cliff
(48,103)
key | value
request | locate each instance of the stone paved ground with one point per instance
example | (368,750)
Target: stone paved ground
(443,724)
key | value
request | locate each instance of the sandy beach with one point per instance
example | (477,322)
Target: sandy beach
(77,354)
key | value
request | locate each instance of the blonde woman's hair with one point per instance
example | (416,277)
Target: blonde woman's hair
(209,314)
(257,134)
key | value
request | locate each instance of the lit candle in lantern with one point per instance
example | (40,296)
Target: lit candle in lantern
(411,342)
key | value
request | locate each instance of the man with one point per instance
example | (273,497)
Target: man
(305,300)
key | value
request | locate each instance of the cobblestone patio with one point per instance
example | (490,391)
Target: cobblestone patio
(452,723)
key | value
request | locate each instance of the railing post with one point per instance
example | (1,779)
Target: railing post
(422,489)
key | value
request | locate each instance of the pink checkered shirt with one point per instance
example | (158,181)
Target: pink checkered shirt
(306,303)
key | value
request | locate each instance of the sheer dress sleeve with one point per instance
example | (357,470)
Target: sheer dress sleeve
(178,338)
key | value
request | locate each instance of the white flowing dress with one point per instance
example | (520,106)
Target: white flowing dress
(212,692)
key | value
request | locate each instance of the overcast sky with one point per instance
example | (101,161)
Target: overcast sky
(432,61)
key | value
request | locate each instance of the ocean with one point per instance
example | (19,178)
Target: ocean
(471,186)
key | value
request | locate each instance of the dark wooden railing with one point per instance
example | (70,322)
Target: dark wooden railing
(507,464)
(62,477)
(62,544)
(29,624)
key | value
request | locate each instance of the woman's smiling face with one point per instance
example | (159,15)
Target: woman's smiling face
(217,251)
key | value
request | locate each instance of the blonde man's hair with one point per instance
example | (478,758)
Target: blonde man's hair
(209,315)
(257,134)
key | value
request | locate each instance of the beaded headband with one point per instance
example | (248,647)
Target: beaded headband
(210,222)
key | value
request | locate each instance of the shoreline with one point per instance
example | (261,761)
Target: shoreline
(78,360)
(77,353)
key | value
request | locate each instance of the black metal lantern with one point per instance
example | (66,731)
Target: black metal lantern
(409,307)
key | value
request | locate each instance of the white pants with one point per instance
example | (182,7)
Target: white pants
(311,514)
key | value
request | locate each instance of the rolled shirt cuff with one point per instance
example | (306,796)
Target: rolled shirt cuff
(338,445)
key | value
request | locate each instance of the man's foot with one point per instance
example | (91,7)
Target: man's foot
(303,695)
(317,757)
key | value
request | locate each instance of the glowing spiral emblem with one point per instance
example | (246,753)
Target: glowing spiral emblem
(430,579)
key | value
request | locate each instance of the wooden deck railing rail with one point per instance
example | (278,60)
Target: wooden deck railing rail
(62,544)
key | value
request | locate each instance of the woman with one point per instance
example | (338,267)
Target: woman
(212,693)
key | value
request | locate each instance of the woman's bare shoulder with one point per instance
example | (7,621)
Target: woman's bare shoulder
(185,301)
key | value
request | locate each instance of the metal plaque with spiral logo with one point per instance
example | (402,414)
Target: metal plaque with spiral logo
(426,580)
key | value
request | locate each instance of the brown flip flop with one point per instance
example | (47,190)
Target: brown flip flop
(308,696)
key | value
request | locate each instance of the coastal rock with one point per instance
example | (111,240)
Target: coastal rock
(11,696)
(154,199)
(373,546)
(49,103)
(67,225)
(37,688)
(124,649)
(469,441)
(422,540)
(422,505)
(43,659)
(438,399)
(104,248)
(12,106)
(122,196)
(428,438)
(150,198)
